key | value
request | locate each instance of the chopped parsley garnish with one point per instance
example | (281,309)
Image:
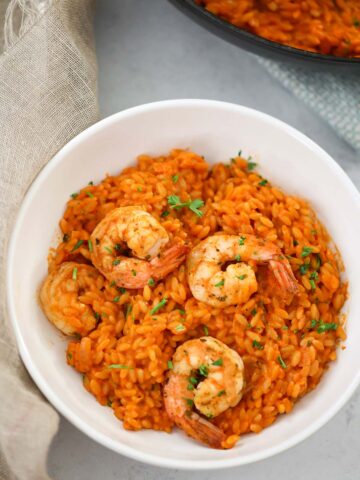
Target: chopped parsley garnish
(119,366)
(253,312)
(90,245)
(313,323)
(284,327)
(179,328)
(257,345)
(108,249)
(194,381)
(295,243)
(241,277)
(77,245)
(151,282)
(128,310)
(323,327)
(66,238)
(222,392)
(116,299)
(158,306)
(97,316)
(304,268)
(220,284)
(204,370)
(238,258)
(91,183)
(112,284)
(194,205)
(312,284)
(89,194)
(118,247)
(281,361)
(251,165)
(263,183)
(306,251)
(318,261)
(242,240)
(133,272)
(116,261)
(218,362)
(74,273)
(121,290)
(189,402)
(74,195)
(209,415)
(69,355)
(170,365)
(139,189)
(314,276)
(206,330)
(175,178)
(190,387)
(165,213)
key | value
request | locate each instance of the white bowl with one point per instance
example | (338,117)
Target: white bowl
(217,131)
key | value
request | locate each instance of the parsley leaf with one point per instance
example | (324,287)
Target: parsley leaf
(77,245)
(323,327)
(306,251)
(281,361)
(158,306)
(218,362)
(204,370)
(74,273)
(194,205)
(257,345)
(304,268)
(119,366)
(242,240)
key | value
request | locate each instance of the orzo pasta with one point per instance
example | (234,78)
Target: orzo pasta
(330,27)
(125,355)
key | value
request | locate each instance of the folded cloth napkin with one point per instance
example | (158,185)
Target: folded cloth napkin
(335,97)
(48,94)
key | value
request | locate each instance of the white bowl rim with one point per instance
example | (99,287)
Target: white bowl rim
(57,402)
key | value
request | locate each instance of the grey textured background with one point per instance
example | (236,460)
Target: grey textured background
(149,51)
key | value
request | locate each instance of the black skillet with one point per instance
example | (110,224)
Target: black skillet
(266,48)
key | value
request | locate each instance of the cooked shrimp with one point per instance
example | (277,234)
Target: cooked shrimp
(206,374)
(137,230)
(59,297)
(210,284)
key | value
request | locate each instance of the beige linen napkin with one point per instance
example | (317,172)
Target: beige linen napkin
(47,95)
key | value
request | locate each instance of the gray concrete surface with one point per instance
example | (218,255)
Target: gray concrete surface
(149,51)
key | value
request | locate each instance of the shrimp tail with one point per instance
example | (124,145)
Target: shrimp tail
(200,429)
(168,260)
(284,276)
